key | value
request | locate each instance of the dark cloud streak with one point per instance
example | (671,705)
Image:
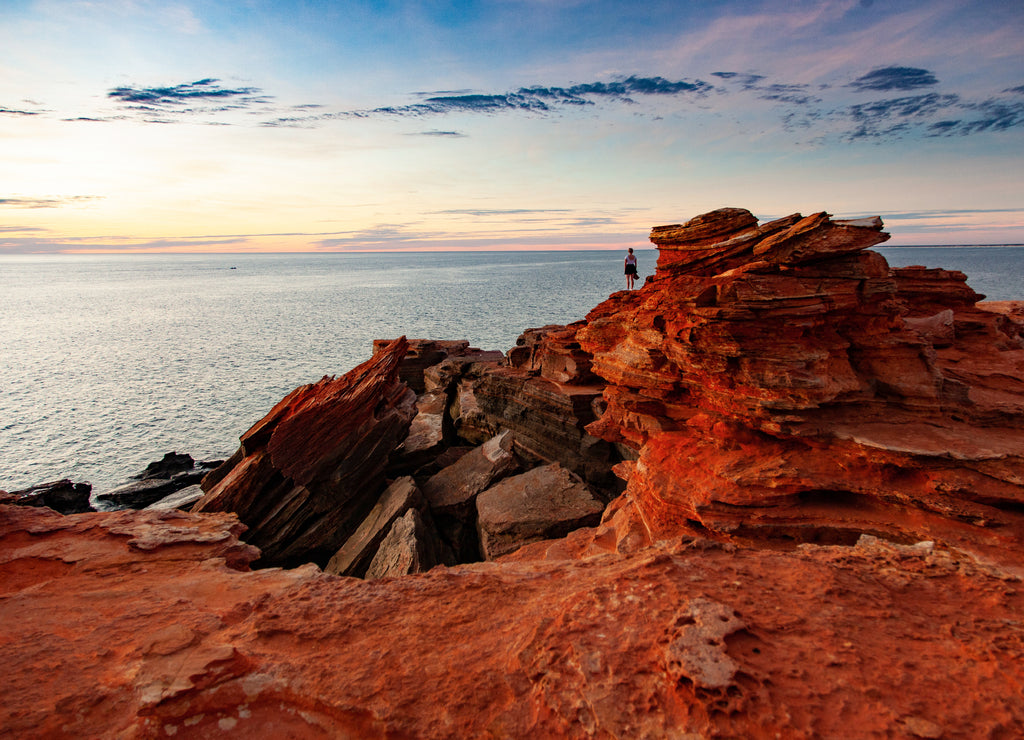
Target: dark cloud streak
(776,92)
(536,99)
(16,112)
(894,78)
(205,89)
(46,202)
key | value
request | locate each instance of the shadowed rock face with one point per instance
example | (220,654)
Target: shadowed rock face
(820,534)
(308,473)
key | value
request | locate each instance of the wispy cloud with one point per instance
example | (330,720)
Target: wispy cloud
(945,212)
(808,113)
(176,95)
(894,78)
(781,92)
(483,212)
(440,134)
(826,113)
(163,104)
(20,112)
(46,202)
(887,117)
(534,99)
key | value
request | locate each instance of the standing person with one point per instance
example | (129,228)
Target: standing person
(630,269)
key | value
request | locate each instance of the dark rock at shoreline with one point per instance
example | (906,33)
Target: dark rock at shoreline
(62,496)
(171,464)
(160,480)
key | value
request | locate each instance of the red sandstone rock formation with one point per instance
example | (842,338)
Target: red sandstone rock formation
(782,384)
(821,533)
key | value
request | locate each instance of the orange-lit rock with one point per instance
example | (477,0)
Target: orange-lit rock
(138,624)
(782,384)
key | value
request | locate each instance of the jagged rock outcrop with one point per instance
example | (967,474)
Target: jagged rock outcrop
(779,383)
(308,473)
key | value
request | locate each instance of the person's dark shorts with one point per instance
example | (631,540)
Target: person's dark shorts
(631,269)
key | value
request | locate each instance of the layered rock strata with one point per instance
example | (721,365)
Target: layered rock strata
(783,384)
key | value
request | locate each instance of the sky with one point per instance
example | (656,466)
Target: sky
(283,125)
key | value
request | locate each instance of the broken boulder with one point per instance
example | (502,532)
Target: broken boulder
(457,485)
(357,552)
(411,546)
(540,504)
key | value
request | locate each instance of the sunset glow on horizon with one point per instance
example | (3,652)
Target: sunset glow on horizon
(133,126)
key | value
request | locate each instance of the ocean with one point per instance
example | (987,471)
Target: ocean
(109,361)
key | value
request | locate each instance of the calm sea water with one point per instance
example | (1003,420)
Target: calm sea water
(108,362)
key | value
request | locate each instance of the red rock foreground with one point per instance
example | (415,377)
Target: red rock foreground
(820,533)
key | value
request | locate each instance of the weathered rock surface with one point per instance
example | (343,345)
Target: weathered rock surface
(61,495)
(691,638)
(308,473)
(411,546)
(546,502)
(359,549)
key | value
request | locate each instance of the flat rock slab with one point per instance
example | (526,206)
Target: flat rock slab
(358,550)
(460,482)
(140,494)
(183,499)
(540,504)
